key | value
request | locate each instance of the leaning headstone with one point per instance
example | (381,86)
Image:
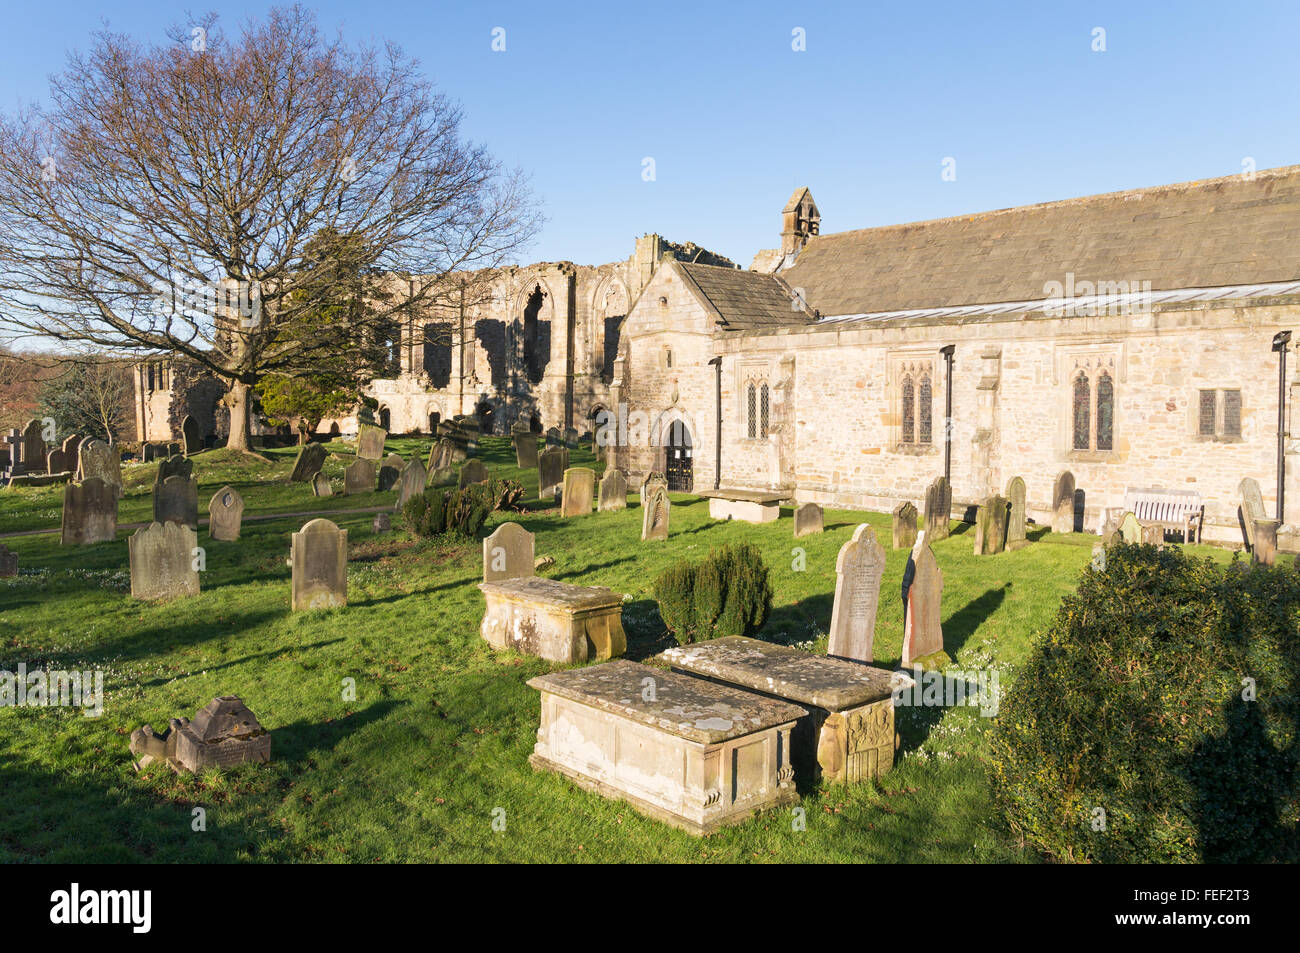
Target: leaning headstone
(319,555)
(904,526)
(1016,537)
(858,571)
(8,562)
(359,476)
(225,514)
(192,439)
(410,483)
(311,457)
(163,561)
(320,485)
(808,519)
(551,465)
(652,479)
(1252,509)
(525,450)
(472,472)
(938,508)
(370,442)
(654,515)
(579,491)
(443,476)
(99,461)
(89,513)
(389,471)
(1063,503)
(508,553)
(991,526)
(613,490)
(922,602)
(176,500)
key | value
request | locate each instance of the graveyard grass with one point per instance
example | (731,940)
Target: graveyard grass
(440,732)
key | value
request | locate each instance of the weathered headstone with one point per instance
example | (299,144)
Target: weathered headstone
(554,438)
(473,471)
(448,452)
(922,603)
(59,462)
(311,457)
(858,570)
(571,438)
(1252,509)
(443,476)
(1063,503)
(359,476)
(808,519)
(99,461)
(652,479)
(163,562)
(191,438)
(938,508)
(174,465)
(319,554)
(370,442)
(579,491)
(70,445)
(89,513)
(1130,529)
(320,485)
(1264,550)
(33,447)
(223,733)
(613,490)
(389,471)
(904,526)
(991,525)
(225,514)
(525,450)
(176,500)
(655,513)
(8,562)
(382,523)
(1016,537)
(410,483)
(551,464)
(508,553)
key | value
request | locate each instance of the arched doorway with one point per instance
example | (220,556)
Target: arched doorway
(435,418)
(486,419)
(679,468)
(535,424)
(385,418)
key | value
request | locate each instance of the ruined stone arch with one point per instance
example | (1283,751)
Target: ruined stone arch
(610,304)
(533,325)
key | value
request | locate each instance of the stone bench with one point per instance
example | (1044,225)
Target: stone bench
(750,506)
(554,620)
(848,733)
(682,750)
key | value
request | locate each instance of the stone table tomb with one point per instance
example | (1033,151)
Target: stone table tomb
(554,620)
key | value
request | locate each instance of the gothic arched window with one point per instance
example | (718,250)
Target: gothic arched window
(763,412)
(1105,412)
(1082,415)
(909,410)
(925,429)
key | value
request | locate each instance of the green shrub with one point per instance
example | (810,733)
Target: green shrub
(1135,703)
(727,593)
(441,510)
(506,494)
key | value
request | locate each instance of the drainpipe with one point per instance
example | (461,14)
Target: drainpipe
(717,460)
(947,353)
(1280,342)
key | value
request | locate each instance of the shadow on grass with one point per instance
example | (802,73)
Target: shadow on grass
(645,630)
(963,623)
(800,621)
(295,743)
(272,653)
(164,639)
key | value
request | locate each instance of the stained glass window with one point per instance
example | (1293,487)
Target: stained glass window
(909,410)
(1232,413)
(751,415)
(924,412)
(1082,421)
(1105,413)
(763,413)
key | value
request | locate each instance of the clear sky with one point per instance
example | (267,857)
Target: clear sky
(735,118)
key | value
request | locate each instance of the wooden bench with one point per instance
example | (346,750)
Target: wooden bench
(1179,511)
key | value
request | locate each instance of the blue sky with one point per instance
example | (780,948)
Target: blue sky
(735,119)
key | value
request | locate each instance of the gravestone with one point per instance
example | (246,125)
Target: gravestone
(1264,550)
(904,526)
(382,523)
(1016,537)
(1130,530)
(359,476)
(174,465)
(225,514)
(8,562)
(472,472)
(190,436)
(319,554)
(223,733)
(448,452)
(554,438)
(525,450)
(89,513)
(922,603)
(71,445)
(571,438)
(508,553)
(99,461)
(808,519)
(938,508)
(613,490)
(1063,503)
(320,485)
(389,471)
(311,457)
(59,462)
(162,561)
(655,513)
(1252,509)
(370,442)
(991,526)
(652,479)
(579,491)
(858,569)
(176,500)
(33,445)
(443,476)
(410,483)
(551,464)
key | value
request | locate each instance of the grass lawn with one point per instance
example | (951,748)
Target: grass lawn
(441,729)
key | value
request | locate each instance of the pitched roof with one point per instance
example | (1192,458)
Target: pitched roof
(1216,232)
(745,300)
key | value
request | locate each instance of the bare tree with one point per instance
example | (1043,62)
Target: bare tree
(164,199)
